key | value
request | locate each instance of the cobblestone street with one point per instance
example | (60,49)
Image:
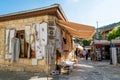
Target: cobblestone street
(85,70)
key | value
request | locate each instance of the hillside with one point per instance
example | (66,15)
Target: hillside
(108,26)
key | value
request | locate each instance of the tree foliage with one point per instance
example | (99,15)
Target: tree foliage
(86,42)
(82,42)
(118,31)
(114,33)
(78,40)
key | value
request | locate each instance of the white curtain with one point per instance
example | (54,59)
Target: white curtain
(15,49)
(32,37)
(27,34)
(27,38)
(12,34)
(38,47)
(7,41)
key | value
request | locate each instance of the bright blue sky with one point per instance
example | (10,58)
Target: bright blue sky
(80,11)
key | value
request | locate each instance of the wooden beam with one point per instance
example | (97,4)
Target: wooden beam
(60,16)
(51,11)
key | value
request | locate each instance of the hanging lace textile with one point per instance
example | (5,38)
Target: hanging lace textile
(12,34)
(27,38)
(32,37)
(15,49)
(43,37)
(43,34)
(7,32)
(38,48)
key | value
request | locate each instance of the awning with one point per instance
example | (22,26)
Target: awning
(78,30)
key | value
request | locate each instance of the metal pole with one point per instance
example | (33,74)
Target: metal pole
(96,38)
(97,29)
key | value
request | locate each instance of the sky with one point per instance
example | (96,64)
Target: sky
(80,11)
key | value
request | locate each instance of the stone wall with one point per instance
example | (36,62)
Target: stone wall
(22,64)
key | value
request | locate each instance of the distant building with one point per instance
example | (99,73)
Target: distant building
(100,42)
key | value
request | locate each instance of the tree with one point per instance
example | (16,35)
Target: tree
(118,31)
(111,35)
(77,40)
(82,41)
(114,33)
(86,42)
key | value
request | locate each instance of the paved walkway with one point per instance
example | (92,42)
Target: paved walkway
(85,70)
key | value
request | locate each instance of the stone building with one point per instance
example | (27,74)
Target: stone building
(29,39)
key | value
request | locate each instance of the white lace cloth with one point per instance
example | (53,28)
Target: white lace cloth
(67,63)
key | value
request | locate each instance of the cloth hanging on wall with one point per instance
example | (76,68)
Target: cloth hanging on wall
(44,52)
(27,38)
(48,55)
(12,34)
(38,50)
(59,44)
(7,32)
(60,41)
(43,38)
(15,49)
(36,36)
(43,34)
(27,34)
(57,38)
(37,29)
(28,54)
(32,37)
(30,34)
(22,45)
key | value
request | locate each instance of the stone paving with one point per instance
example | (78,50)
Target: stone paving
(85,70)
